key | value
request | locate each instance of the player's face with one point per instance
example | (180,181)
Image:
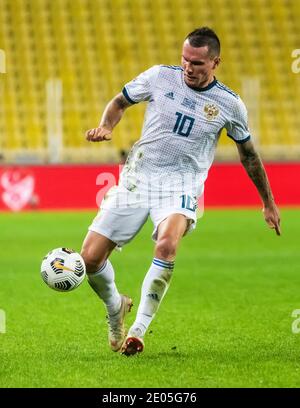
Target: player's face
(198,65)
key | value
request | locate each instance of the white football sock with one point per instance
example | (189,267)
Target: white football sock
(154,288)
(103,283)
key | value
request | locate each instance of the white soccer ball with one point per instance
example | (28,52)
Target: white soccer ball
(63,269)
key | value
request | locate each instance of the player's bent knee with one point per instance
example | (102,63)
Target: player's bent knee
(166,248)
(92,262)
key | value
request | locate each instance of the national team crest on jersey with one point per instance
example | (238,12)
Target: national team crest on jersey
(211,111)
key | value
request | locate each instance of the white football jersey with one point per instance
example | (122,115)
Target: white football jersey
(181,129)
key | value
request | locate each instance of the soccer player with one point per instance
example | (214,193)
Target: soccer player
(164,175)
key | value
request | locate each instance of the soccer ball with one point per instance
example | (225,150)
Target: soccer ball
(63,269)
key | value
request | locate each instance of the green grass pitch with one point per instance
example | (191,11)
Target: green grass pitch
(225,322)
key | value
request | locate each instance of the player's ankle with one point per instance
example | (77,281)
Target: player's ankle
(113,306)
(137,330)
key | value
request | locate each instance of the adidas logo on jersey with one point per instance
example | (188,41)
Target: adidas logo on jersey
(170,95)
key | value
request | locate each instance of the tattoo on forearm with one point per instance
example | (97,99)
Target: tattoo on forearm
(255,169)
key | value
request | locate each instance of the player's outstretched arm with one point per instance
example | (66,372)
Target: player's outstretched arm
(255,169)
(111,116)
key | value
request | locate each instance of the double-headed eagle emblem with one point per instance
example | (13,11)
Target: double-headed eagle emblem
(211,111)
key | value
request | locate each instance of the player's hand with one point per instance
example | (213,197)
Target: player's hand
(272,217)
(98,134)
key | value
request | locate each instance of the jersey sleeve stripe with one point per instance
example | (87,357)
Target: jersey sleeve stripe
(226,89)
(239,141)
(125,93)
(175,67)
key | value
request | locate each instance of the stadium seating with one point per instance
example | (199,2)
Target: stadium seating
(95,46)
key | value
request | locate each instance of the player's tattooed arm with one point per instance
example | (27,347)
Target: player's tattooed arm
(254,167)
(112,115)
(255,170)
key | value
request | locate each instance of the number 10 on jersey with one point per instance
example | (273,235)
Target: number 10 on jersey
(183,125)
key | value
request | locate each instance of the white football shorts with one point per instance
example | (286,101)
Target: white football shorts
(123,213)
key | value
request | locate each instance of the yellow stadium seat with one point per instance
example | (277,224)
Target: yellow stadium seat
(96,46)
